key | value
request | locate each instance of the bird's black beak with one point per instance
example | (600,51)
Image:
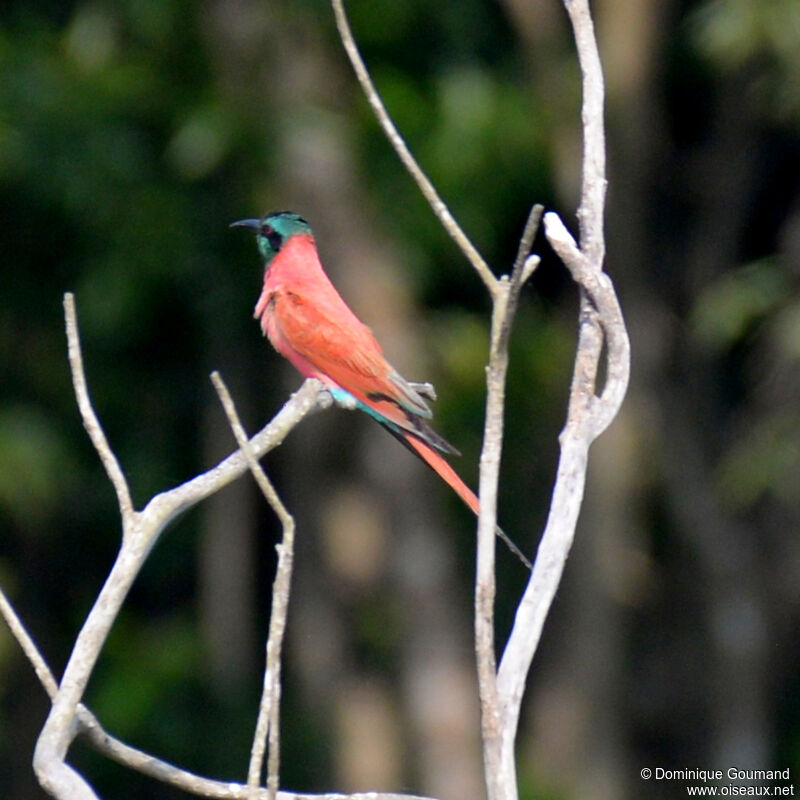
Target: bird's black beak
(252,224)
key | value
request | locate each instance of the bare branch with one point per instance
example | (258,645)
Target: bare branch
(591,211)
(485,582)
(141,532)
(404,154)
(600,289)
(500,772)
(521,270)
(28,646)
(151,766)
(51,748)
(164,507)
(90,421)
(264,483)
(529,267)
(269,709)
(588,415)
(91,728)
(358,796)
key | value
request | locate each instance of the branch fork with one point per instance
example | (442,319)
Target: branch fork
(601,329)
(600,321)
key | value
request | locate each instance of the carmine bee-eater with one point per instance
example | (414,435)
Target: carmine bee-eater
(308,322)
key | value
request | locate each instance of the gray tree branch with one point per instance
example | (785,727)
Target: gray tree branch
(91,729)
(267,725)
(500,775)
(600,321)
(90,421)
(141,531)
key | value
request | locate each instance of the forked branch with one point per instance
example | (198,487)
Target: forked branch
(90,421)
(600,322)
(68,716)
(601,330)
(106,744)
(267,725)
(141,531)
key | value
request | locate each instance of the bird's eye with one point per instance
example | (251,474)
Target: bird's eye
(273,238)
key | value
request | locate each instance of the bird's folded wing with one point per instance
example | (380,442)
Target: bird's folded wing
(331,338)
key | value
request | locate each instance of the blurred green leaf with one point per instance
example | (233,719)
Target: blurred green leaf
(128,696)
(91,38)
(764,35)
(764,461)
(736,30)
(726,309)
(200,144)
(35,465)
(784,330)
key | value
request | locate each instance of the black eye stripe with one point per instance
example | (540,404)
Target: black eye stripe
(272,236)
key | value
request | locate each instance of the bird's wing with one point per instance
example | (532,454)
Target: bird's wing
(328,335)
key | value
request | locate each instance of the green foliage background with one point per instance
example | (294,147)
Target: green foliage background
(133,132)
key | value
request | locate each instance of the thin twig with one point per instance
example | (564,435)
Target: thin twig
(485,581)
(102,741)
(91,728)
(264,483)
(269,708)
(404,154)
(166,506)
(499,772)
(591,211)
(90,421)
(142,762)
(523,268)
(525,244)
(28,646)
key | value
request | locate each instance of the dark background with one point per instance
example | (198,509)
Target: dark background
(132,133)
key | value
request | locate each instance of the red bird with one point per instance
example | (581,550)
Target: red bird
(308,323)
